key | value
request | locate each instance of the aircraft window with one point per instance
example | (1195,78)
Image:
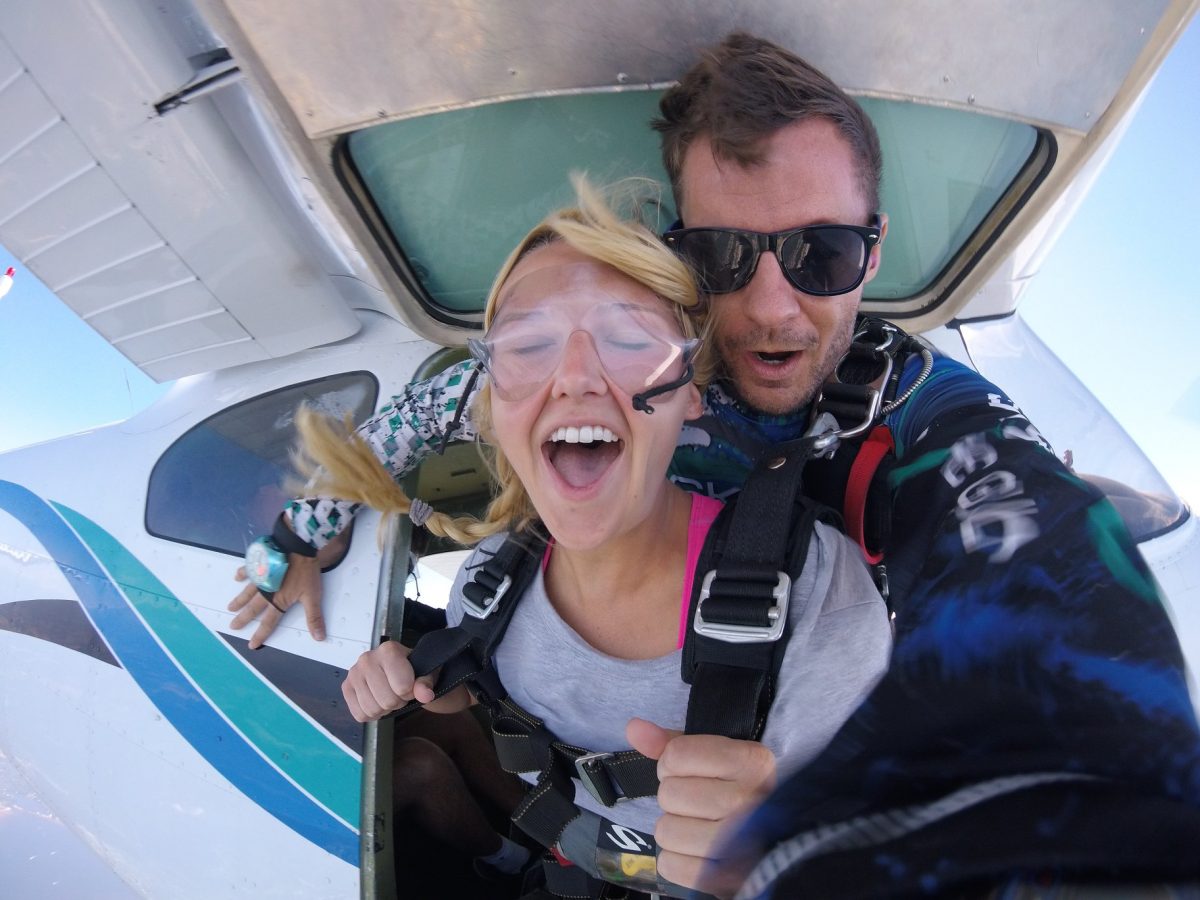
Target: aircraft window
(944,170)
(449,194)
(222,483)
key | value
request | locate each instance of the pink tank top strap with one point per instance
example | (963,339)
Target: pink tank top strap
(704,513)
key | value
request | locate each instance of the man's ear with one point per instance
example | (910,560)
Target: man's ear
(877,250)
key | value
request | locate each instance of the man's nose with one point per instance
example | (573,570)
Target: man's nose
(580,370)
(770,300)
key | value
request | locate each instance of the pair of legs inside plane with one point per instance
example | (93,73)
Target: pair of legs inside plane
(448,784)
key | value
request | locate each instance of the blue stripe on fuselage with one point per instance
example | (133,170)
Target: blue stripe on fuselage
(174,696)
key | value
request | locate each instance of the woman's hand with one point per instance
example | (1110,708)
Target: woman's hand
(707,784)
(383,680)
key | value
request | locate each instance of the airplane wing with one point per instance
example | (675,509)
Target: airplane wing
(144,222)
(124,142)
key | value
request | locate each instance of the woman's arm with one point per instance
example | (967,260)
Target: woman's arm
(383,681)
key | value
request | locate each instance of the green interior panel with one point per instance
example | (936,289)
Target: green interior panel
(459,189)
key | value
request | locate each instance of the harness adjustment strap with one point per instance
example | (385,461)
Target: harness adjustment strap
(464,652)
(733,646)
(609,777)
(743,605)
(616,776)
(481,597)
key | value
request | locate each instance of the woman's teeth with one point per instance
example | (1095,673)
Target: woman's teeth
(584,434)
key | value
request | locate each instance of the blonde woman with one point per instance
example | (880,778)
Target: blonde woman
(589,330)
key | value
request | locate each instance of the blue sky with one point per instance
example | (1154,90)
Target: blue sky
(1118,300)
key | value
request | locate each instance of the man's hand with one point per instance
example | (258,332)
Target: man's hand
(383,680)
(301,584)
(706,785)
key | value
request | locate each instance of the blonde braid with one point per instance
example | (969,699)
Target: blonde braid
(338,463)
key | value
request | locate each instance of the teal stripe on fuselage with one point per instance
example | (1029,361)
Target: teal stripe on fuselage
(313,760)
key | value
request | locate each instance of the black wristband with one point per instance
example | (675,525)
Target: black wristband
(269,596)
(290,542)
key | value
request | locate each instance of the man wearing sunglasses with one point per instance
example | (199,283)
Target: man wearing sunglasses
(1036,695)
(994,746)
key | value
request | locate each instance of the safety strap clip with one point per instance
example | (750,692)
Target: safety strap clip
(596,780)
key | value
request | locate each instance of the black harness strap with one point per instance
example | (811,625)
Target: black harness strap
(738,622)
(524,744)
(464,654)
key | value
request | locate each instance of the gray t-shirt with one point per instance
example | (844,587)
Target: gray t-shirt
(839,649)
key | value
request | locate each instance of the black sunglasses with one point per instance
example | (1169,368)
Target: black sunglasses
(823,260)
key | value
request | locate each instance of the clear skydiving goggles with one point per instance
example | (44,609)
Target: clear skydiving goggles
(636,340)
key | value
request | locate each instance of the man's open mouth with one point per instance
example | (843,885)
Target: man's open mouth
(582,455)
(776,358)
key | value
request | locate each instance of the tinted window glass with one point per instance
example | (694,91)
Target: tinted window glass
(943,171)
(222,483)
(457,190)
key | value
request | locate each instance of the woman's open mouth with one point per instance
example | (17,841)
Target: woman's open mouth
(582,455)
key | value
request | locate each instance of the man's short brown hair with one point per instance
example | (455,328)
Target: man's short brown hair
(744,90)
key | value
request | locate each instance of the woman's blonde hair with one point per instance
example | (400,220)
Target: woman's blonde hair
(338,461)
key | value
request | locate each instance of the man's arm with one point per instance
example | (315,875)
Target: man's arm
(1031,643)
(412,425)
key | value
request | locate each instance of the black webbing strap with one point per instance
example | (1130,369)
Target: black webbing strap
(609,777)
(737,627)
(464,653)
(524,744)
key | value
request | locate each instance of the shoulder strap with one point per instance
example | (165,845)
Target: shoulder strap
(738,621)
(464,653)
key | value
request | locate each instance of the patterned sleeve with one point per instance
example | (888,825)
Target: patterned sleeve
(408,428)
(1035,716)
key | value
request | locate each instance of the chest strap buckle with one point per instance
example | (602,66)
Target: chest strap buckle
(730,614)
(596,780)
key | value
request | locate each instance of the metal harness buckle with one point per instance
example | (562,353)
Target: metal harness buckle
(869,396)
(746,634)
(490,603)
(590,771)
